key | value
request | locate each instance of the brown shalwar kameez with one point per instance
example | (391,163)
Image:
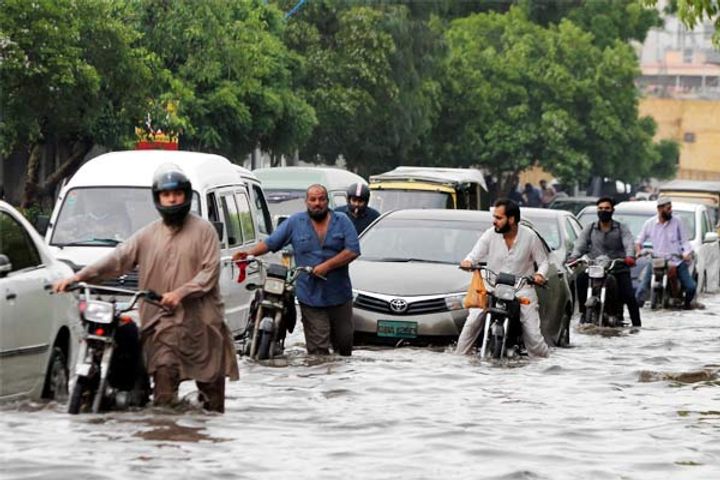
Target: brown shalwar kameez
(192,342)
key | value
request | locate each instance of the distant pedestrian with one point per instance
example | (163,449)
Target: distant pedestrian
(531,196)
(548,193)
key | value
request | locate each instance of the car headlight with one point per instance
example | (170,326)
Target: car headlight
(455,302)
(275,286)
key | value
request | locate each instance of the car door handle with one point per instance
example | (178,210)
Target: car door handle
(10,296)
(47,287)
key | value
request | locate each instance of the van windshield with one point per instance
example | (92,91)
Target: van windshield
(385,200)
(105,216)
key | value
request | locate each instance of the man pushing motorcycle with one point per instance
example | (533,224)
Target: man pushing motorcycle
(511,248)
(178,255)
(612,239)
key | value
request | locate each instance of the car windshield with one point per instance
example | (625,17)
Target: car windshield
(548,228)
(105,216)
(432,241)
(636,220)
(386,200)
(285,201)
(587,217)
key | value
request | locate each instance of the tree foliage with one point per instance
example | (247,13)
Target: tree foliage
(516,94)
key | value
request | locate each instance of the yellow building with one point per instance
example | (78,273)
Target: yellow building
(695,125)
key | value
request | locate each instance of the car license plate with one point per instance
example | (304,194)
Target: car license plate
(396,329)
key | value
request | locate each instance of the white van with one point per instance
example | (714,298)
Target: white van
(109,198)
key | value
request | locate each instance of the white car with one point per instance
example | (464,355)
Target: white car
(696,221)
(39,330)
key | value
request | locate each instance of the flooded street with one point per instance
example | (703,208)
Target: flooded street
(638,405)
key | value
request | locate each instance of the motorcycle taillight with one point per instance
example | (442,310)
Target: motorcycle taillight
(99,332)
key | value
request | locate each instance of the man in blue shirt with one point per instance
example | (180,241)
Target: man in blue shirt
(328,242)
(357,210)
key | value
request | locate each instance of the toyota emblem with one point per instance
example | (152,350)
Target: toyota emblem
(398,305)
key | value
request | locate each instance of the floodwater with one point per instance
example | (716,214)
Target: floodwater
(639,405)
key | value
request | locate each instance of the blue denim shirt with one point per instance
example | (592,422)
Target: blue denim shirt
(298,231)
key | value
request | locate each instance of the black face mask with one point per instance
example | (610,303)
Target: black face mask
(318,216)
(605,216)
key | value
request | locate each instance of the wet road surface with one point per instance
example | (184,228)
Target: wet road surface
(639,405)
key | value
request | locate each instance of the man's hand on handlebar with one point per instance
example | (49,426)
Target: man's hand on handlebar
(466,264)
(239,256)
(320,270)
(539,279)
(170,300)
(630,261)
(62,285)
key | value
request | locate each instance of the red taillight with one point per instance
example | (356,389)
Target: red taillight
(82,305)
(99,332)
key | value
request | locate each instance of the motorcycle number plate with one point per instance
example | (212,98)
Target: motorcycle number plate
(396,329)
(596,271)
(83,369)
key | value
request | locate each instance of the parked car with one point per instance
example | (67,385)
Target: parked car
(695,191)
(427,187)
(38,330)
(560,229)
(704,240)
(407,280)
(572,204)
(109,198)
(285,187)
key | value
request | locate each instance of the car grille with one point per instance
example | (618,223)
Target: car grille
(124,281)
(421,307)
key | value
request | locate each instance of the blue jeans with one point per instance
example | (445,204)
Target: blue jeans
(683,272)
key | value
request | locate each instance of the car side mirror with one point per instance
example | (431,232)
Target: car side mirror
(219,228)
(5,265)
(710,237)
(41,223)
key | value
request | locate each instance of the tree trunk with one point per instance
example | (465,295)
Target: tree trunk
(79,149)
(31,176)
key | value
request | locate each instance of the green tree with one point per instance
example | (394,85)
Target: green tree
(229,74)
(692,12)
(71,77)
(368,75)
(516,94)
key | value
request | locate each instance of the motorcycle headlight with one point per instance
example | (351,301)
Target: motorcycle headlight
(455,302)
(274,285)
(98,312)
(596,271)
(505,292)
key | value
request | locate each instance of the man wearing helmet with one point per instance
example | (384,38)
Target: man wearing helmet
(178,256)
(358,195)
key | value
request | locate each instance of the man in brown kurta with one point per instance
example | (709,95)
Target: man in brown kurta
(188,340)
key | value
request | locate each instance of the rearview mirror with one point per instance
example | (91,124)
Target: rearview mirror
(5,265)
(219,229)
(710,237)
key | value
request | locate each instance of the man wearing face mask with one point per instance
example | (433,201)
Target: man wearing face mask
(357,209)
(612,239)
(669,240)
(328,242)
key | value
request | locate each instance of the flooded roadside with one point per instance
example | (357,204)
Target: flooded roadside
(634,405)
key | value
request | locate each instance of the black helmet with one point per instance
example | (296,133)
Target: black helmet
(359,190)
(170,177)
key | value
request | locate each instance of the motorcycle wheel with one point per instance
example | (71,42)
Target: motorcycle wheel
(80,396)
(263,351)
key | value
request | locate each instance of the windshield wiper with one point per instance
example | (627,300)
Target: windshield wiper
(91,241)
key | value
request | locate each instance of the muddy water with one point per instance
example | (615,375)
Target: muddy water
(635,405)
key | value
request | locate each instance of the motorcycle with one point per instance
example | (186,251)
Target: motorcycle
(502,332)
(665,288)
(272,312)
(602,292)
(110,372)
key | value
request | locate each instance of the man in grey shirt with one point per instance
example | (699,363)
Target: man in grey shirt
(511,248)
(614,240)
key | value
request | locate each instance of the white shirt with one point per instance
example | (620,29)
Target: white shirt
(520,259)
